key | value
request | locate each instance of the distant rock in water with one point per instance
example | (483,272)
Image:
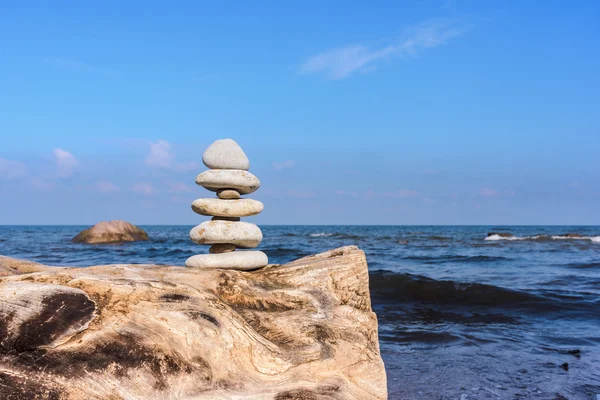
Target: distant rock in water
(572,236)
(111,232)
(501,234)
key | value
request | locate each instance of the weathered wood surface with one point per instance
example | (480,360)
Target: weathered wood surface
(303,330)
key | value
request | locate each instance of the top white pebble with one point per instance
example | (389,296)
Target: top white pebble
(225,154)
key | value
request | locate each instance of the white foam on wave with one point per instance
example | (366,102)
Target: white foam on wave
(594,239)
(498,237)
(322,234)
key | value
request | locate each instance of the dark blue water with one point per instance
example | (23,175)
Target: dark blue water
(461,317)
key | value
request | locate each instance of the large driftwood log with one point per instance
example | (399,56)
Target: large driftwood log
(303,330)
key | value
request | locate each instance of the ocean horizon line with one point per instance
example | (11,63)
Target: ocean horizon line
(324,225)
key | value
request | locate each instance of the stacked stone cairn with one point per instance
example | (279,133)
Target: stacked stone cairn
(228,176)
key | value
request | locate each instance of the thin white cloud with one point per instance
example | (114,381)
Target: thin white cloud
(179,199)
(429,200)
(105,187)
(143,188)
(179,187)
(371,194)
(160,155)
(284,165)
(65,162)
(404,193)
(573,185)
(487,192)
(41,184)
(78,66)
(186,167)
(11,169)
(342,62)
(302,194)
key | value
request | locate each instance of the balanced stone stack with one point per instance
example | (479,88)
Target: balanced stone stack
(229,177)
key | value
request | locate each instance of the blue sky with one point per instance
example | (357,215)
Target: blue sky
(424,112)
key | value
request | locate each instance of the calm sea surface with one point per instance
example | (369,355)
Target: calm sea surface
(460,317)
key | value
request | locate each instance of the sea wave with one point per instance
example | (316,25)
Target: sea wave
(456,258)
(439,238)
(495,237)
(336,235)
(390,287)
(584,265)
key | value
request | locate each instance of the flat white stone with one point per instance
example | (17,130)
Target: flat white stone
(216,179)
(227,208)
(225,154)
(240,234)
(240,260)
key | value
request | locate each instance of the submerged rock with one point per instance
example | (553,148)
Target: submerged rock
(304,330)
(501,234)
(572,236)
(111,232)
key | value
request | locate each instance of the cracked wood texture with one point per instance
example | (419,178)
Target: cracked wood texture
(303,330)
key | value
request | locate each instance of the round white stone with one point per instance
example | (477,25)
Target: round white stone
(228,194)
(240,234)
(241,260)
(227,208)
(225,154)
(216,179)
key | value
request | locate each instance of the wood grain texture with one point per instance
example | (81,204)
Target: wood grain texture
(303,330)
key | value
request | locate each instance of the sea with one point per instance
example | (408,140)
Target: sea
(465,312)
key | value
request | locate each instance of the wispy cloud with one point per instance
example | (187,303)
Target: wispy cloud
(179,199)
(370,194)
(487,192)
(573,185)
(160,155)
(11,169)
(143,188)
(284,165)
(179,187)
(65,162)
(302,194)
(403,193)
(42,184)
(105,187)
(186,167)
(342,62)
(73,65)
